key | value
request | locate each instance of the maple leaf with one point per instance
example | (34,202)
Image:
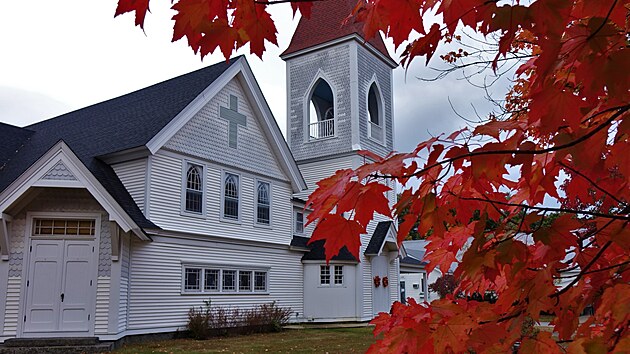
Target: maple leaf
(304,7)
(425,45)
(140,7)
(333,225)
(254,25)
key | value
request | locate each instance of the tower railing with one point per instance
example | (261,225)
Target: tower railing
(376,131)
(322,129)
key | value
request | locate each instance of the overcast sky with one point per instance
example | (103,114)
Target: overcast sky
(59,56)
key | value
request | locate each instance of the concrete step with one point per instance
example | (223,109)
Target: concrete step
(50,342)
(74,349)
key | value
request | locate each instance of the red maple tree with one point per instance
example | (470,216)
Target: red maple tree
(566,133)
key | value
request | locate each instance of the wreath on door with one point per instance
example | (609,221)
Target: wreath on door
(377,281)
(385,282)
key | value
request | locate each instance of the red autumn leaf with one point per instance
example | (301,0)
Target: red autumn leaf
(140,7)
(333,225)
(254,25)
(303,6)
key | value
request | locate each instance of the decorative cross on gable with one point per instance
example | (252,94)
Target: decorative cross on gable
(234,118)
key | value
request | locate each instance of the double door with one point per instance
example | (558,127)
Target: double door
(60,288)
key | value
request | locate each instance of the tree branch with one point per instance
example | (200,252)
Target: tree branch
(560,210)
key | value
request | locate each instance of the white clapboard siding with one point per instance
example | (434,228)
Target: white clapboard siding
(124,283)
(366,282)
(156,300)
(394,282)
(12,306)
(313,172)
(102,305)
(166,204)
(132,175)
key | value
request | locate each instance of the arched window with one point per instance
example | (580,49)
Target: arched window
(194,189)
(375,119)
(230,196)
(321,111)
(263,204)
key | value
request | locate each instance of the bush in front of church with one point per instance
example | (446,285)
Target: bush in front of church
(212,321)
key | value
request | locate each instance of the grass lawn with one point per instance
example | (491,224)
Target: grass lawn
(339,340)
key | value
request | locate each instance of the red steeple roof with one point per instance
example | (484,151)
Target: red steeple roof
(325,25)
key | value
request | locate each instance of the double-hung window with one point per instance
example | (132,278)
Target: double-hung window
(231,196)
(194,189)
(217,279)
(263,203)
(299,222)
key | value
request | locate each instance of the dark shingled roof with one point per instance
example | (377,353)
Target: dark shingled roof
(114,125)
(378,237)
(325,25)
(412,261)
(11,140)
(316,250)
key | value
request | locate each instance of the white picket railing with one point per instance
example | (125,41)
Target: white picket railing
(322,129)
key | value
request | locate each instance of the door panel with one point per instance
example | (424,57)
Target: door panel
(42,309)
(76,286)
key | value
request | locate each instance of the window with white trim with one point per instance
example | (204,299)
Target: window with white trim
(375,117)
(324,275)
(299,222)
(338,275)
(244,280)
(260,281)
(229,280)
(193,193)
(331,275)
(192,279)
(231,196)
(65,227)
(263,203)
(213,279)
(211,282)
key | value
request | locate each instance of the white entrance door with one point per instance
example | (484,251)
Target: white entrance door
(60,287)
(380,294)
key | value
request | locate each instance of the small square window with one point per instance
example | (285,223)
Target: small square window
(324,275)
(192,279)
(260,281)
(244,280)
(229,280)
(211,281)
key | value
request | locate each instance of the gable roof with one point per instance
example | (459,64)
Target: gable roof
(118,124)
(378,238)
(325,25)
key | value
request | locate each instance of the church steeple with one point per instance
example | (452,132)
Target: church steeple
(339,87)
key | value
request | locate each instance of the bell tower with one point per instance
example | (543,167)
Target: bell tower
(339,90)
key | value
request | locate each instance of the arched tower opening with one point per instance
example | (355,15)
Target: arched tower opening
(321,113)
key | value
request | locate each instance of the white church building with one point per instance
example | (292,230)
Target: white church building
(117,218)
